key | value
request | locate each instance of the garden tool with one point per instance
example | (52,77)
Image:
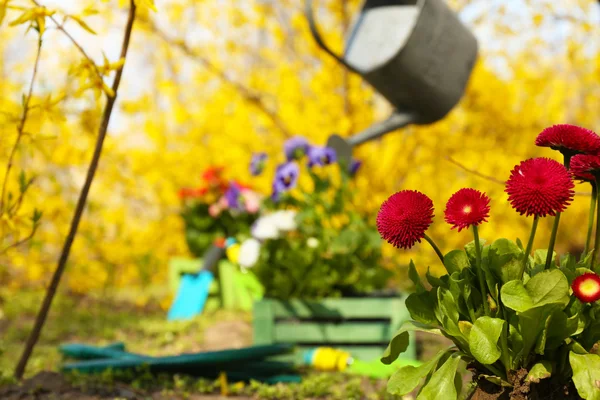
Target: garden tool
(330,359)
(194,288)
(238,364)
(415,53)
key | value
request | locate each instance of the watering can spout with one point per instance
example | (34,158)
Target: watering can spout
(343,147)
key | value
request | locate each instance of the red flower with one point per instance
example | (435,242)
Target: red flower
(467,207)
(572,138)
(586,287)
(189,193)
(404,217)
(585,167)
(540,187)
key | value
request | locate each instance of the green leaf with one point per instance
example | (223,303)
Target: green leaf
(586,374)
(541,370)
(415,278)
(587,260)
(434,281)
(456,261)
(446,312)
(505,259)
(407,378)
(421,307)
(483,340)
(568,261)
(442,381)
(520,244)
(540,344)
(470,248)
(399,342)
(539,257)
(559,328)
(495,380)
(531,324)
(465,328)
(547,287)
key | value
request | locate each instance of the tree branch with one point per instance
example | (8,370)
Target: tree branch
(245,92)
(110,102)
(21,125)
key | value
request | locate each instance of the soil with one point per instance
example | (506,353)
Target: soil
(54,386)
(546,389)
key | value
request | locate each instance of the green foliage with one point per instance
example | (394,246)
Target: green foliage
(333,250)
(534,323)
(208,215)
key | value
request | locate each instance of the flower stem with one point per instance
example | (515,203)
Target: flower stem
(529,247)
(437,250)
(479,271)
(552,241)
(591,218)
(556,222)
(504,341)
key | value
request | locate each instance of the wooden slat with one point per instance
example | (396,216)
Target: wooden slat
(376,308)
(263,322)
(349,332)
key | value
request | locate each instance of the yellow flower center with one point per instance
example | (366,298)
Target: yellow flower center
(467,209)
(589,287)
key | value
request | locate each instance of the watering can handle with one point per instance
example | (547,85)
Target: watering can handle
(395,121)
(315,32)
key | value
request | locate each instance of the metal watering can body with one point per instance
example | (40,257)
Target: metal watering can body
(417,54)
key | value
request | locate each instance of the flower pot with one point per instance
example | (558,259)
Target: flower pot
(361,326)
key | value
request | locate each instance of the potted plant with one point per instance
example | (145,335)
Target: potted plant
(217,209)
(527,323)
(320,259)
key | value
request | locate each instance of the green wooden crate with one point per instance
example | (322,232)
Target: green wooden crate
(361,326)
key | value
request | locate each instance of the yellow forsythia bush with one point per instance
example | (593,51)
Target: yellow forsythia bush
(194,95)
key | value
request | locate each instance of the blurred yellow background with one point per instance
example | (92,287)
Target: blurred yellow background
(210,82)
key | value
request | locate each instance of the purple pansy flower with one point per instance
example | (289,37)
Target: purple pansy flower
(320,156)
(295,148)
(257,164)
(354,166)
(233,195)
(286,178)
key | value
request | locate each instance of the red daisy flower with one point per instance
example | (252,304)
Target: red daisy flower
(586,287)
(404,217)
(540,187)
(467,207)
(585,167)
(573,139)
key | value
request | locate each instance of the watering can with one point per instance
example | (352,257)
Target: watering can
(417,54)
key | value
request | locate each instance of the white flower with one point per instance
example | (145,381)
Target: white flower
(249,253)
(285,220)
(264,228)
(312,242)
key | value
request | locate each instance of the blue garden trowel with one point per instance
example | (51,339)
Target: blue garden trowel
(194,288)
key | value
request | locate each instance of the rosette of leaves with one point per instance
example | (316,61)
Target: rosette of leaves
(537,329)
